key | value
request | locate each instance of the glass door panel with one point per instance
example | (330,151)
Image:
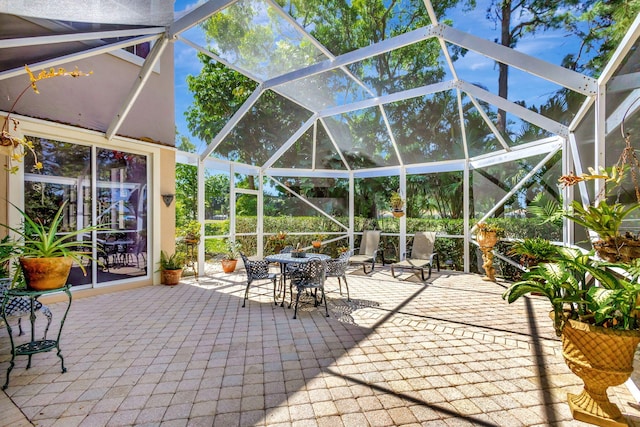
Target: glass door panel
(246,206)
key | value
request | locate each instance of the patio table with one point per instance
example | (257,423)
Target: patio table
(286,258)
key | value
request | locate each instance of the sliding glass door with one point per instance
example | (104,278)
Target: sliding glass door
(115,196)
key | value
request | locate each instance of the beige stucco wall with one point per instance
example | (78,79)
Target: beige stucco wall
(167,214)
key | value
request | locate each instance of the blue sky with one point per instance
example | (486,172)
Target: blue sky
(550,46)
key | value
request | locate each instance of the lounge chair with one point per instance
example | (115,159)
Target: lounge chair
(422,255)
(368,250)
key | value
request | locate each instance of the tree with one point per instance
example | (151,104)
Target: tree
(519,17)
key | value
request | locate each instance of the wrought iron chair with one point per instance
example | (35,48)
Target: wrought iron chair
(311,277)
(257,270)
(368,250)
(422,255)
(337,267)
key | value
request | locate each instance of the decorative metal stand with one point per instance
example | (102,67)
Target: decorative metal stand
(487,257)
(192,257)
(34,346)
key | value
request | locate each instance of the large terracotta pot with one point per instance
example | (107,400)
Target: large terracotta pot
(602,358)
(171,277)
(229,265)
(43,274)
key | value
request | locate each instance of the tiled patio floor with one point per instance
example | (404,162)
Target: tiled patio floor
(450,353)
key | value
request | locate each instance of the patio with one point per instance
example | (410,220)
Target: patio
(402,353)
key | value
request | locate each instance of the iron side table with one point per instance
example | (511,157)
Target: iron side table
(34,346)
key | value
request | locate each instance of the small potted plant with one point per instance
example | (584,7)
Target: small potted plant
(230,258)
(397,204)
(171,267)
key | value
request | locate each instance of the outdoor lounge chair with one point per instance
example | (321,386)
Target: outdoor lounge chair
(368,250)
(422,255)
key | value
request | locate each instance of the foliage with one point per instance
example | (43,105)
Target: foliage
(485,227)
(566,282)
(37,240)
(533,251)
(233,248)
(546,210)
(396,201)
(175,261)
(190,230)
(604,219)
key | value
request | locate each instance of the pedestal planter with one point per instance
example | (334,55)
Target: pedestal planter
(43,274)
(487,240)
(397,213)
(602,358)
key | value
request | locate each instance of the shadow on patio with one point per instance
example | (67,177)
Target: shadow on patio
(450,352)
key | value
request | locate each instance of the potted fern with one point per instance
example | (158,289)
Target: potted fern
(171,267)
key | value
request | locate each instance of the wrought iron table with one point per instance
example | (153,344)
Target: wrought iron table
(34,346)
(285,259)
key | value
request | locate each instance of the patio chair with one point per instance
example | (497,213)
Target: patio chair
(368,250)
(310,278)
(337,267)
(257,270)
(422,255)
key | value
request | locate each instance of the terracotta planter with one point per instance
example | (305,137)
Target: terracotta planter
(42,274)
(229,265)
(171,277)
(397,214)
(487,239)
(601,358)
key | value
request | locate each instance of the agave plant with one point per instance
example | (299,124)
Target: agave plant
(37,240)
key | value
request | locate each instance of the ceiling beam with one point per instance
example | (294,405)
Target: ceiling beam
(284,147)
(513,108)
(355,56)
(197,15)
(387,99)
(60,60)
(233,121)
(76,37)
(138,85)
(543,69)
